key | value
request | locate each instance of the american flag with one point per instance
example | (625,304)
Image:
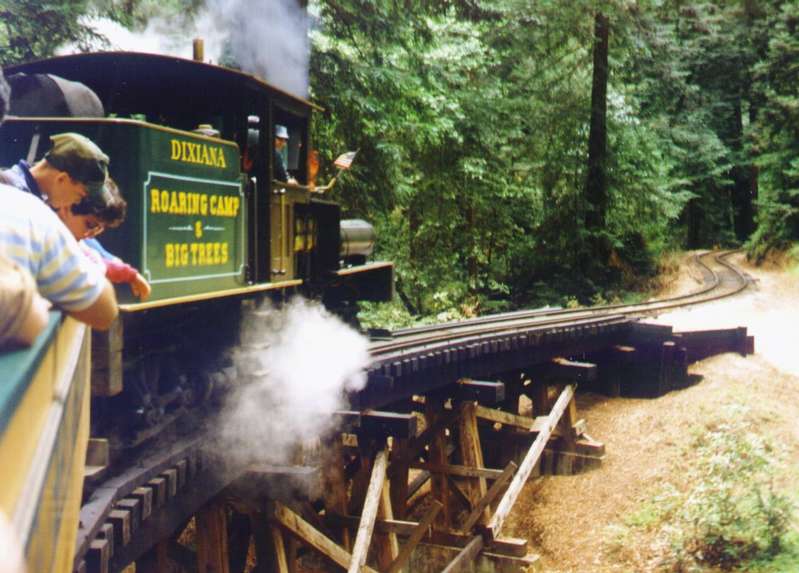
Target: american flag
(345,160)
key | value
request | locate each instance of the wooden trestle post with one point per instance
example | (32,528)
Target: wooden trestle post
(386,543)
(513,390)
(335,488)
(434,408)
(398,478)
(212,542)
(472,455)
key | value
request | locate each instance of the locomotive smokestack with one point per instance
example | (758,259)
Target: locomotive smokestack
(199,50)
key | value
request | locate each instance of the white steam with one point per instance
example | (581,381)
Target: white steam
(269,40)
(295,366)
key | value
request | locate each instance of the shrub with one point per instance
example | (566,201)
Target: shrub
(731,513)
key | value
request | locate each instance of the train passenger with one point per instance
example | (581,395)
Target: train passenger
(73,168)
(280,171)
(23,311)
(33,236)
(86,220)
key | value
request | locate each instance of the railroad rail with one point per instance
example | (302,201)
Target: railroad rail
(467,411)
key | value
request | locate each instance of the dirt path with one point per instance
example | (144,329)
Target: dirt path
(569,520)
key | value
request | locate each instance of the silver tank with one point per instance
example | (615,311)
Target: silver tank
(357,238)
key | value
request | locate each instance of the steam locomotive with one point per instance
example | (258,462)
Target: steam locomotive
(191,147)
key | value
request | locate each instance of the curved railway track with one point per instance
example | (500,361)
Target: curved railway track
(152,481)
(722,279)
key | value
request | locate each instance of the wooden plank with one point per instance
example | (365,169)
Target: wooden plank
(438,455)
(417,482)
(528,463)
(568,370)
(504,545)
(398,484)
(212,542)
(98,557)
(335,489)
(504,418)
(171,476)
(97,452)
(145,495)
(379,424)
(489,497)
(466,556)
(472,455)
(458,470)
(305,531)
(133,505)
(416,536)
(387,544)
(364,536)
(483,392)
(121,521)
(540,395)
(182,468)
(281,562)
(159,487)
(107,532)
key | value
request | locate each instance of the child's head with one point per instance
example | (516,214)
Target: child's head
(89,217)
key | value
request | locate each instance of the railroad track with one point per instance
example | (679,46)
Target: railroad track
(722,279)
(129,513)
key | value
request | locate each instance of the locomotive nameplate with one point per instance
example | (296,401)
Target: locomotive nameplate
(193,229)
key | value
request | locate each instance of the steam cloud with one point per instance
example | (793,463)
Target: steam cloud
(269,40)
(296,365)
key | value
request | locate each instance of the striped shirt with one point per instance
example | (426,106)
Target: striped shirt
(33,236)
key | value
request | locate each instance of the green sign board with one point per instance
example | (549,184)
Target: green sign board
(193,229)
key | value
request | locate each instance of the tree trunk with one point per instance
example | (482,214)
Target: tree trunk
(596,191)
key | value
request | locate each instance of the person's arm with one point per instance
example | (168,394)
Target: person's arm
(140,287)
(102,312)
(34,322)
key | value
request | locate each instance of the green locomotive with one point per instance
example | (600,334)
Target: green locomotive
(209,225)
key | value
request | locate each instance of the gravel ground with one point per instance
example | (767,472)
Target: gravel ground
(568,519)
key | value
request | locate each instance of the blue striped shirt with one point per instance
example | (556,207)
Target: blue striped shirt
(33,236)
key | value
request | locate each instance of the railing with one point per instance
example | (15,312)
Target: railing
(44,431)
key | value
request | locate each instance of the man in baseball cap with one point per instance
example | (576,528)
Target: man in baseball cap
(74,168)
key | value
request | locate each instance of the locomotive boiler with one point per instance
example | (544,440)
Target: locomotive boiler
(209,225)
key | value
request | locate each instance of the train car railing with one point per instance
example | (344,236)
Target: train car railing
(44,431)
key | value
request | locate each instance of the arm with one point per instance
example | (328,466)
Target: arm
(34,322)
(102,312)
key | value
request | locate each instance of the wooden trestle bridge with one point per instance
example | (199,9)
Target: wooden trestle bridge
(426,465)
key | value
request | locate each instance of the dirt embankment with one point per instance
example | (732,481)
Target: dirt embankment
(570,520)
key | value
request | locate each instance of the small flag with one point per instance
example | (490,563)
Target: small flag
(345,160)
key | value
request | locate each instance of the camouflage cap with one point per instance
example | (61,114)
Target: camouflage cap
(80,157)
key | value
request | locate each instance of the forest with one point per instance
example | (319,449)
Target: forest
(516,153)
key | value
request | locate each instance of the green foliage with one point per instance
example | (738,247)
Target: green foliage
(729,512)
(777,135)
(32,29)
